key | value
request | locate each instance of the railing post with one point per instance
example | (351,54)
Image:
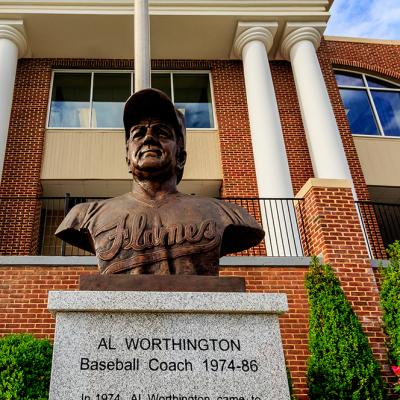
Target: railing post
(66,208)
(304,233)
(366,228)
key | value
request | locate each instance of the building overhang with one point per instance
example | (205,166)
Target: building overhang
(180,29)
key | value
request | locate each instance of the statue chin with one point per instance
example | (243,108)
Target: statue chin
(153,172)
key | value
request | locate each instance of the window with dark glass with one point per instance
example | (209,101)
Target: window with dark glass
(96,99)
(372,105)
(110,92)
(162,82)
(70,100)
(191,94)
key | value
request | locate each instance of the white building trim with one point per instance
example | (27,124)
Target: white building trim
(13,45)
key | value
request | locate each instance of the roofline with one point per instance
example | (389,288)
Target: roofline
(361,40)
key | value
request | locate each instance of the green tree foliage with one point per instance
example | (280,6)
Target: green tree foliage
(25,366)
(341,365)
(390,302)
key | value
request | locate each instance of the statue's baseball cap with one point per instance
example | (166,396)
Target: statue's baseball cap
(153,104)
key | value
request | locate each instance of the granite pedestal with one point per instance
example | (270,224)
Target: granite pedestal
(167,346)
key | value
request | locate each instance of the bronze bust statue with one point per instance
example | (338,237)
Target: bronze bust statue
(154,229)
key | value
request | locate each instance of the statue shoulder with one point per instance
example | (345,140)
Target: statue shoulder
(77,226)
(76,216)
(74,228)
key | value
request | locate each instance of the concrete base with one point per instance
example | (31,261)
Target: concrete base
(161,283)
(167,346)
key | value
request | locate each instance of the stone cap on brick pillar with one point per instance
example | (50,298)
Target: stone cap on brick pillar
(325,183)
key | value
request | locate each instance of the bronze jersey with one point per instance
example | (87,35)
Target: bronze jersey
(180,234)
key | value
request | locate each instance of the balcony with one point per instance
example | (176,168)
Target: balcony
(282,220)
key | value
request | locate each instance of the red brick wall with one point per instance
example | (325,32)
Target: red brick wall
(24,291)
(22,167)
(234,131)
(385,62)
(378,59)
(294,324)
(334,232)
(292,125)
(21,176)
(24,296)
(21,172)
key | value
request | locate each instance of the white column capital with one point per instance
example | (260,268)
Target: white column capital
(249,31)
(15,32)
(297,32)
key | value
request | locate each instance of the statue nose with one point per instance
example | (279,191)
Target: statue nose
(149,137)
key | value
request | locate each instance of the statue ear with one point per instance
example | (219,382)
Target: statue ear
(128,161)
(181,159)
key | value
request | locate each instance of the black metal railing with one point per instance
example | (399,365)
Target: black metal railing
(381,225)
(282,220)
(53,211)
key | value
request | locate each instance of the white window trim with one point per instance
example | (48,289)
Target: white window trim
(131,72)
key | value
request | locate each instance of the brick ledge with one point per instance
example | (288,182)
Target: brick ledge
(91,261)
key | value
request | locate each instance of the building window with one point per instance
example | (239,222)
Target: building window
(85,99)
(372,105)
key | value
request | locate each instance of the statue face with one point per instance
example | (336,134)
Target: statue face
(152,149)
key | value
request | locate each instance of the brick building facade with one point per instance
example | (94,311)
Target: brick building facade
(329,225)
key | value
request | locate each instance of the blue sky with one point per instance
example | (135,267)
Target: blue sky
(376,19)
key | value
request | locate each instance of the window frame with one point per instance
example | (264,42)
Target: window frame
(131,72)
(369,89)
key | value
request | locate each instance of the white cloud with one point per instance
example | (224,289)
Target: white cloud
(378,19)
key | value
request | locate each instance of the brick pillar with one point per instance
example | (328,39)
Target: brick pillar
(332,226)
(20,185)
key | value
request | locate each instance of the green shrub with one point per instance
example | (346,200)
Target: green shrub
(341,364)
(25,366)
(390,301)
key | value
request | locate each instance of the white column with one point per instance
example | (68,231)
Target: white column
(12,46)
(142,45)
(272,168)
(323,137)
(253,41)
